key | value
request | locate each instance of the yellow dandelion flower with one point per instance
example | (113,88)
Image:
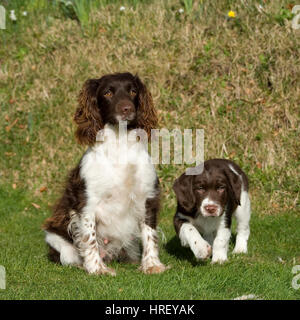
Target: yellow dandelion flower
(231,14)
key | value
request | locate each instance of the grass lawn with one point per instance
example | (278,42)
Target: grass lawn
(261,272)
(237,78)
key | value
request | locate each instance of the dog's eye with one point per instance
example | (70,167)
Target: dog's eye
(133,93)
(108,94)
(201,189)
(221,189)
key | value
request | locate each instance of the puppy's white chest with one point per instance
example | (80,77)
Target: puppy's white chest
(207,225)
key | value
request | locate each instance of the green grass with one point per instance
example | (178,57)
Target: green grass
(235,78)
(31,276)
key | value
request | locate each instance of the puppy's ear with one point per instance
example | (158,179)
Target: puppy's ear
(234,185)
(87,115)
(146,113)
(183,187)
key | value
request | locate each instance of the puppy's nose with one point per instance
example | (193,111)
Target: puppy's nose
(211,208)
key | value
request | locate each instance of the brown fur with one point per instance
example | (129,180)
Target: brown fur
(215,170)
(152,208)
(147,115)
(89,114)
(74,199)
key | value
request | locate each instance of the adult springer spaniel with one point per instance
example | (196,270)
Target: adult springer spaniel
(111,200)
(205,205)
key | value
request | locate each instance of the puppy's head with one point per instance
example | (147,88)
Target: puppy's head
(110,99)
(210,192)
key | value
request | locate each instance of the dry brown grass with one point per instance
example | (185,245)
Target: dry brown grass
(237,79)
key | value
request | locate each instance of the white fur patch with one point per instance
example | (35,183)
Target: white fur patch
(190,236)
(119,178)
(150,257)
(206,201)
(68,253)
(242,214)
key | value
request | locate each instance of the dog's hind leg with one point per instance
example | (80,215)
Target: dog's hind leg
(242,213)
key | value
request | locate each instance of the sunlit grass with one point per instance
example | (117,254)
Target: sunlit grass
(235,77)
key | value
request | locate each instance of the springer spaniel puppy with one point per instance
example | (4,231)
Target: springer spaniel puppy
(109,207)
(205,206)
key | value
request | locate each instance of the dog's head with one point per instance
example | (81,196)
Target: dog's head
(210,192)
(110,99)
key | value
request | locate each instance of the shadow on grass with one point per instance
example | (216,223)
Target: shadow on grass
(175,249)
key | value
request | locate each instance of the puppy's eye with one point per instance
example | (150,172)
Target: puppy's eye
(201,189)
(133,92)
(108,94)
(221,189)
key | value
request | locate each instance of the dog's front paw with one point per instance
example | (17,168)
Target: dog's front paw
(240,247)
(106,270)
(219,257)
(100,269)
(154,268)
(201,250)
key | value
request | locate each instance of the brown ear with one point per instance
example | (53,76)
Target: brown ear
(87,115)
(146,113)
(234,185)
(183,187)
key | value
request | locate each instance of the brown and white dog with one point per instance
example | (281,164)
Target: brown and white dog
(205,206)
(109,207)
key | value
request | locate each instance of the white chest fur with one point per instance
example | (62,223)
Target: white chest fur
(119,177)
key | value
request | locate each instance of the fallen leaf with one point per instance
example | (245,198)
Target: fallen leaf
(259,165)
(9,154)
(8,128)
(246,297)
(42,189)
(275,205)
(35,205)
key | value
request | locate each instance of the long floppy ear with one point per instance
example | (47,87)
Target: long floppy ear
(183,187)
(234,184)
(146,113)
(87,115)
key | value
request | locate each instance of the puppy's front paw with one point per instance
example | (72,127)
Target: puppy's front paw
(219,257)
(201,250)
(240,247)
